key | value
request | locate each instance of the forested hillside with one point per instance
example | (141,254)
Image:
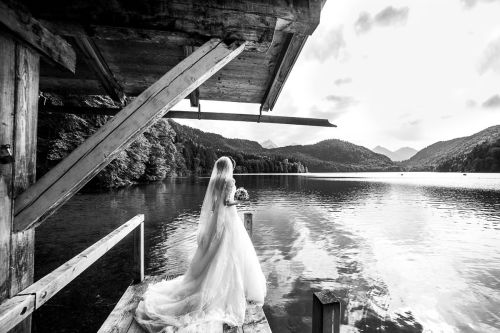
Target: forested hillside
(475,153)
(335,155)
(166,149)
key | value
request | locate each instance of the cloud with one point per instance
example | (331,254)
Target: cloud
(363,23)
(342,81)
(389,16)
(333,45)
(392,16)
(490,58)
(408,131)
(341,102)
(316,112)
(492,102)
(470,103)
(472,3)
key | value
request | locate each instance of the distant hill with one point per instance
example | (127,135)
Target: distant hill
(336,155)
(479,152)
(325,156)
(268,144)
(399,155)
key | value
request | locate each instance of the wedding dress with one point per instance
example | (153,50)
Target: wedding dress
(223,274)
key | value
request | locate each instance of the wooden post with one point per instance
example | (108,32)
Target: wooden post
(18,114)
(248,221)
(326,312)
(139,253)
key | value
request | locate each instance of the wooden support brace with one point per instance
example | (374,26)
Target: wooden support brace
(22,25)
(96,62)
(15,310)
(65,179)
(283,68)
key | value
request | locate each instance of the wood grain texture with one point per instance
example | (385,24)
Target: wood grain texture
(291,53)
(96,62)
(194,97)
(66,178)
(32,32)
(7,91)
(52,283)
(15,310)
(121,319)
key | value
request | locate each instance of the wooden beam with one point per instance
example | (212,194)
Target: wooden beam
(194,97)
(26,28)
(15,310)
(71,174)
(96,62)
(197,115)
(144,35)
(7,93)
(283,68)
(52,283)
(139,253)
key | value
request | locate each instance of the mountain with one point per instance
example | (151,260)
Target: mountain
(268,144)
(399,155)
(337,155)
(479,152)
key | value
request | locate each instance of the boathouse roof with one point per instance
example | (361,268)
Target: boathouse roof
(124,46)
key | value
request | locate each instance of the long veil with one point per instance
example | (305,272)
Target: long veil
(210,225)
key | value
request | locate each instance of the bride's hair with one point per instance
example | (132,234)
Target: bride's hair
(221,174)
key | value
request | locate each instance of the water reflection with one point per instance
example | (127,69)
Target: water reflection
(410,255)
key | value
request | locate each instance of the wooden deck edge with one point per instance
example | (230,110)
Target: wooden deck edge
(121,319)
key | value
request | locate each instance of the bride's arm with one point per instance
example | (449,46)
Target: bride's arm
(228,201)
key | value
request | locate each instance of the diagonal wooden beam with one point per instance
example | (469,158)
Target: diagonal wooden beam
(194,97)
(34,205)
(287,60)
(96,62)
(252,118)
(22,25)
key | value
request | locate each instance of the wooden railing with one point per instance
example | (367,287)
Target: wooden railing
(17,308)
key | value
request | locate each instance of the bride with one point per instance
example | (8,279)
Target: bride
(224,272)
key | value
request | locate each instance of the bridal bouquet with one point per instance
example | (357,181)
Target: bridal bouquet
(241,194)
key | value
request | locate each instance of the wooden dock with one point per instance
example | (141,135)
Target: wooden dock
(121,319)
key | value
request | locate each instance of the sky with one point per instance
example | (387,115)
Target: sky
(390,73)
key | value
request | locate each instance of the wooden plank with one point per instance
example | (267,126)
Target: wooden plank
(22,244)
(52,283)
(139,253)
(198,115)
(96,62)
(194,97)
(32,32)
(122,317)
(288,59)
(15,310)
(255,320)
(326,312)
(7,90)
(66,178)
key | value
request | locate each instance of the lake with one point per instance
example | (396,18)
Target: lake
(410,252)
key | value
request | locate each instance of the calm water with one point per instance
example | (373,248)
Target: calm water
(409,253)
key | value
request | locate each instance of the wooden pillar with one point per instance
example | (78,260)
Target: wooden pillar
(326,312)
(139,253)
(247,220)
(18,121)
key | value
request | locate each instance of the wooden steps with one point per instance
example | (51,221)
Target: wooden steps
(121,319)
